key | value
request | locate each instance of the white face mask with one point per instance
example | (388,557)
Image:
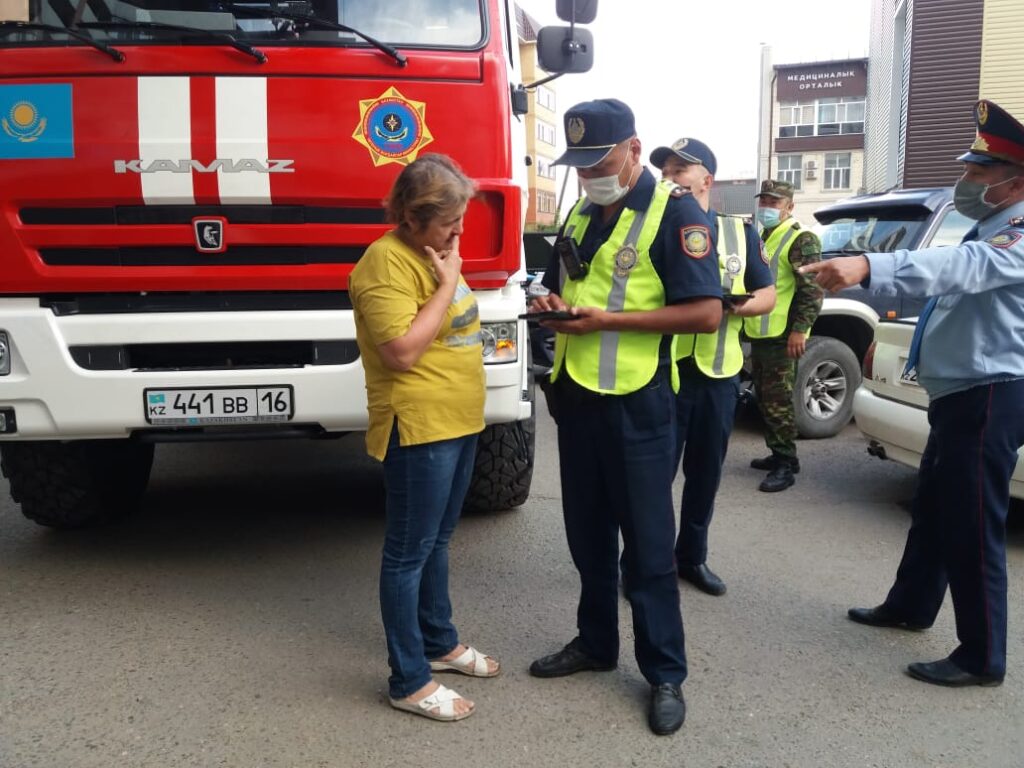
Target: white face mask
(606,190)
(969,198)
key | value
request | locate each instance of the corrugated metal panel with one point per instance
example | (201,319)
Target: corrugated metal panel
(1002,56)
(901,149)
(880,83)
(945,66)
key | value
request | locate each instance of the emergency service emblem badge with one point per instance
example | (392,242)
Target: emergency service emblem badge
(733,265)
(625,259)
(1004,239)
(209,234)
(392,127)
(575,130)
(695,241)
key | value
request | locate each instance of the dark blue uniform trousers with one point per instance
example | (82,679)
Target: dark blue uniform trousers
(958,533)
(616,454)
(705,413)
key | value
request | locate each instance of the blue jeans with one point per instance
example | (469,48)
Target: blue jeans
(426,485)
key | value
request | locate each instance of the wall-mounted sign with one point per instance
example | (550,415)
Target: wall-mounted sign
(812,81)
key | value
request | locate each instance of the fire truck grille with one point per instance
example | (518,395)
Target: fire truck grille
(205,356)
(185,256)
(129,215)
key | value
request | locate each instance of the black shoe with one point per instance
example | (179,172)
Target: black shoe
(769,463)
(779,479)
(702,578)
(568,661)
(945,672)
(668,709)
(881,616)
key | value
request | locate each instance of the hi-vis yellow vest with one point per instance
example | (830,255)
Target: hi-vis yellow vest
(621,278)
(777,247)
(719,354)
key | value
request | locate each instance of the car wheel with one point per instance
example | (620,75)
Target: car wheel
(826,377)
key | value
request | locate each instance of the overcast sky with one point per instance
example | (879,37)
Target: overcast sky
(692,68)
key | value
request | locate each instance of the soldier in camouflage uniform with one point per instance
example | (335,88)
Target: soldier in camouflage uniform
(779,339)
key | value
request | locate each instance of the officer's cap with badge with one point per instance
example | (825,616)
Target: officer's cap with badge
(689,151)
(1000,137)
(593,129)
(775,188)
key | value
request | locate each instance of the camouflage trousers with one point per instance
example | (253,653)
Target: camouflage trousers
(774,374)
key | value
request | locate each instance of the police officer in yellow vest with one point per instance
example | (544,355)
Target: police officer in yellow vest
(778,339)
(709,363)
(634,266)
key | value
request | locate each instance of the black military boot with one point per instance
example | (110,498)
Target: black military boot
(779,479)
(769,463)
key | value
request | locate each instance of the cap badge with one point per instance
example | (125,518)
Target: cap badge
(982,113)
(625,259)
(575,130)
(680,144)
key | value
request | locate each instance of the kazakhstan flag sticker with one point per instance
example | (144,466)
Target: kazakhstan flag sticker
(36,122)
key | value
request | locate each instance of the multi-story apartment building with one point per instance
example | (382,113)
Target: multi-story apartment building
(541,125)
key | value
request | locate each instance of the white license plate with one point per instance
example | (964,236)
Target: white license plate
(907,377)
(217,405)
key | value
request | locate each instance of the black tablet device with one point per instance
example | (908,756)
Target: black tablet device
(551,314)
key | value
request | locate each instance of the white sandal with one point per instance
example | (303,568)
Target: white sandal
(470,662)
(443,700)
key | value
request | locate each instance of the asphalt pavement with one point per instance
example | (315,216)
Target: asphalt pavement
(234,622)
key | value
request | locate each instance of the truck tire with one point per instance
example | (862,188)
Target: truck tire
(504,465)
(76,484)
(826,377)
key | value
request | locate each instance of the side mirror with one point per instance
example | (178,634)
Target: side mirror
(564,50)
(576,11)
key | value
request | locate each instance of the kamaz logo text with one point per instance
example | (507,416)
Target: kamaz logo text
(187,166)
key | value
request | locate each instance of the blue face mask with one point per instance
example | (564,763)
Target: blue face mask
(768,217)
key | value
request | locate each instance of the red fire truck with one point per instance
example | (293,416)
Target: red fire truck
(185,186)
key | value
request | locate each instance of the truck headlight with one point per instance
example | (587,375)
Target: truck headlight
(5,354)
(500,344)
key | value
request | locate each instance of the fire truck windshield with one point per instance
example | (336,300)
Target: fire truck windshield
(416,23)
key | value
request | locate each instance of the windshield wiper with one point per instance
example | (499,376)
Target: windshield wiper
(8,27)
(314,21)
(226,37)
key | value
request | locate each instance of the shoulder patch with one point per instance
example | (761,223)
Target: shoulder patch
(764,253)
(1004,239)
(695,240)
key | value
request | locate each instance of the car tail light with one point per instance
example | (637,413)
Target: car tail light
(868,365)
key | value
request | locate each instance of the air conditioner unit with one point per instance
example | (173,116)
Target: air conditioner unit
(811,169)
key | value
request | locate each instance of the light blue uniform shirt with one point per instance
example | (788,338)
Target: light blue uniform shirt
(975,336)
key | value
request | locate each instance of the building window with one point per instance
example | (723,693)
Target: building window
(790,169)
(546,132)
(840,115)
(546,97)
(544,168)
(545,202)
(796,119)
(837,170)
(824,117)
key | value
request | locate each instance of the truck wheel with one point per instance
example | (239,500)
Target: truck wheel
(826,377)
(79,483)
(504,465)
